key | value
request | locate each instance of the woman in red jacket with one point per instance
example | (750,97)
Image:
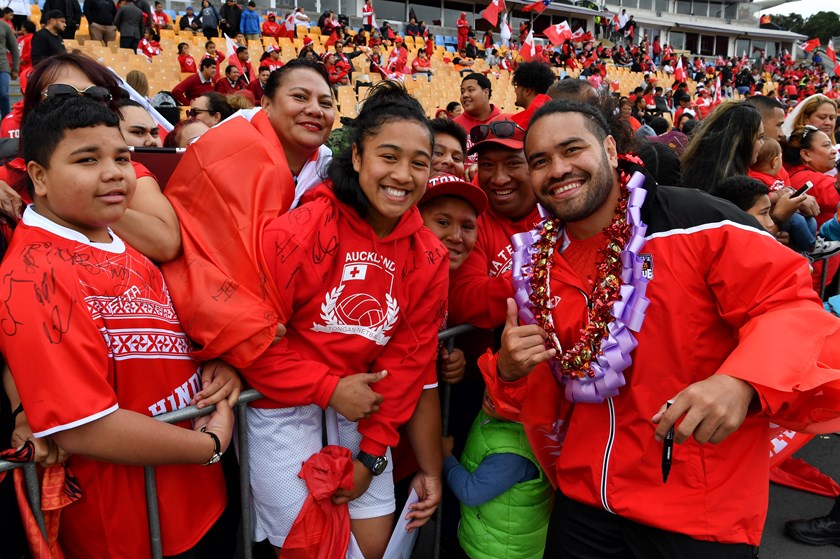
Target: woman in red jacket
(808,154)
(362,288)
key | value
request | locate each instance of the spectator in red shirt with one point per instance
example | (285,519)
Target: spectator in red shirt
(531,80)
(271,58)
(160,19)
(463,30)
(149,45)
(196,85)
(230,83)
(270,28)
(25,49)
(422,64)
(213,54)
(257,87)
(185,60)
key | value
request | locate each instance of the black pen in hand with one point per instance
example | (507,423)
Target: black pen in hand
(667,449)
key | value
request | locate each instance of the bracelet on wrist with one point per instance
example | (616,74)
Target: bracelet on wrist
(217,451)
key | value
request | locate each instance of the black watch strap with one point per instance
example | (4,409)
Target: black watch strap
(376,464)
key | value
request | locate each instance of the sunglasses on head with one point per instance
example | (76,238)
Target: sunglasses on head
(501,130)
(95,92)
(808,128)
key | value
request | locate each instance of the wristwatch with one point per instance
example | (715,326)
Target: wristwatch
(376,464)
(217,452)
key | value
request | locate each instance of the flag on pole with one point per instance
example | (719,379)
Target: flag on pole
(528,50)
(829,51)
(679,71)
(504,30)
(491,12)
(333,39)
(558,33)
(579,36)
(289,27)
(539,6)
(230,47)
(810,44)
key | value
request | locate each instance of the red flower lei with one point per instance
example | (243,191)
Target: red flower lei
(605,292)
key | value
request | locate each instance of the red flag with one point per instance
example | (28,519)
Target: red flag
(539,6)
(332,40)
(288,29)
(810,45)
(559,33)
(528,51)
(679,71)
(231,47)
(829,51)
(491,12)
(580,37)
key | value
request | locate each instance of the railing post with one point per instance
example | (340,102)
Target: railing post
(154,512)
(33,493)
(244,478)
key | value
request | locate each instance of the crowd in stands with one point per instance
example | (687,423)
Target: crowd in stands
(315,256)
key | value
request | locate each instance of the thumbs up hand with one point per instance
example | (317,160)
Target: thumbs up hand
(523,347)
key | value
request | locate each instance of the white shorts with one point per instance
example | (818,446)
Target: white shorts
(280,440)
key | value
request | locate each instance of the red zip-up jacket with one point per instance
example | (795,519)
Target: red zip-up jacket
(355,304)
(480,287)
(720,288)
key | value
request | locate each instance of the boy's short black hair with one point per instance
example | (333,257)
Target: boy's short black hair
(206,63)
(46,125)
(741,190)
(448,127)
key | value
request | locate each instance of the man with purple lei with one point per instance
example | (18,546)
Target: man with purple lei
(630,295)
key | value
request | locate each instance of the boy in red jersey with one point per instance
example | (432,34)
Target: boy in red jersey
(96,349)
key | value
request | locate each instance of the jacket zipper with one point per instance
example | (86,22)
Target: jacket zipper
(605,465)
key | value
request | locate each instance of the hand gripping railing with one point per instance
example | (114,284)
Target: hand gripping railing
(33,487)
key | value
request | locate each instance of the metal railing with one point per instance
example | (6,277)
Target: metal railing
(33,487)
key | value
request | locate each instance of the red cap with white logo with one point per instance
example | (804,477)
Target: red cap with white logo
(445,184)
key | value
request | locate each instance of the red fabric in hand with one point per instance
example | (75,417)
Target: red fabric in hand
(322,529)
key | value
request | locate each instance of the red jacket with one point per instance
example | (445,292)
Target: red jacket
(824,190)
(354,303)
(720,288)
(480,287)
(524,117)
(191,88)
(224,86)
(187,64)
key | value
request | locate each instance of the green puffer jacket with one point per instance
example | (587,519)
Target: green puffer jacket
(514,524)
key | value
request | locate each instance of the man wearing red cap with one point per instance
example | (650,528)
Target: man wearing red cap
(479,290)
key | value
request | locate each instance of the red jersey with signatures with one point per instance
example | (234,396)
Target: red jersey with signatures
(88,328)
(355,303)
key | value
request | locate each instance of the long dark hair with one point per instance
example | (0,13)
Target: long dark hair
(387,102)
(722,147)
